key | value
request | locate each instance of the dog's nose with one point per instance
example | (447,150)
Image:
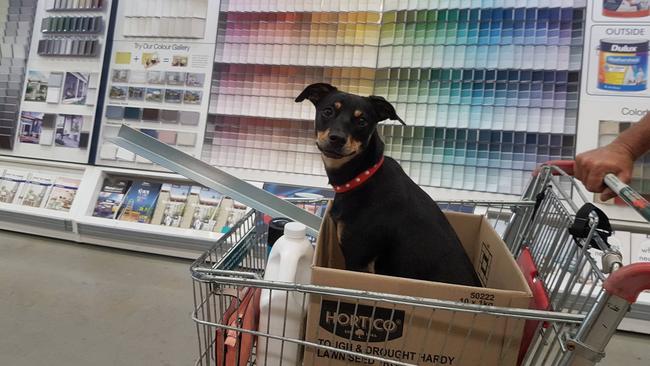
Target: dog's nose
(336,139)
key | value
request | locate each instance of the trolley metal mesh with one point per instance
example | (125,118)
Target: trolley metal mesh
(539,222)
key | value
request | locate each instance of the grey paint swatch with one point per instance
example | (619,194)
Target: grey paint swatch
(189,118)
(169,116)
(114,112)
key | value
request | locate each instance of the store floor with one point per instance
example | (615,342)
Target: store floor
(72,304)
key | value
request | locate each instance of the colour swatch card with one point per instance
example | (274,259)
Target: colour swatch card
(59,98)
(160,83)
(270,90)
(16,23)
(488,89)
(75,5)
(315,39)
(165,18)
(302,6)
(523,38)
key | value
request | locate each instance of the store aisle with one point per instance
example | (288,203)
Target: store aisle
(71,304)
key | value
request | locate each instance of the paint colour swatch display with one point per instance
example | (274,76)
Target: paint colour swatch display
(165,18)
(540,38)
(62,80)
(270,90)
(353,28)
(68,47)
(302,6)
(16,22)
(262,143)
(72,24)
(486,91)
(71,34)
(75,5)
(483,26)
(159,82)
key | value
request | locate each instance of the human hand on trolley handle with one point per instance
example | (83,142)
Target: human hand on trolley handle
(617,158)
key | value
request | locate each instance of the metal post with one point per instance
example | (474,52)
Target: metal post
(587,348)
(212,177)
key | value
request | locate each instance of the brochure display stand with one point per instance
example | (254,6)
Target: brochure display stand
(150,212)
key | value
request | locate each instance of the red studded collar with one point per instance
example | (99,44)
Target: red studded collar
(359,179)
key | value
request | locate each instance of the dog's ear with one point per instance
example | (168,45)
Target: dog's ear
(315,92)
(384,109)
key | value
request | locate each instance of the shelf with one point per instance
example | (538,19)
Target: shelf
(185,243)
(35,220)
(79,225)
(150,238)
(38,221)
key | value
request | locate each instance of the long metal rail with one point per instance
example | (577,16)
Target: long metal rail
(212,177)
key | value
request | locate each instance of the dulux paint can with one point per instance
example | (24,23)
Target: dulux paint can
(626,8)
(623,65)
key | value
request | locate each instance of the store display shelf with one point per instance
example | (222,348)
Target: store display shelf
(79,225)
(39,221)
(37,164)
(150,238)
(185,243)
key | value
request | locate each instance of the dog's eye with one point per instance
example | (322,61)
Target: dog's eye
(327,112)
(362,122)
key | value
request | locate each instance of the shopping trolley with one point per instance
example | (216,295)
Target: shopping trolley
(581,290)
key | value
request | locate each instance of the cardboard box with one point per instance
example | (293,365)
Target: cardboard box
(418,335)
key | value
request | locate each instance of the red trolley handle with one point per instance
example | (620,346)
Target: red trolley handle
(568,166)
(629,281)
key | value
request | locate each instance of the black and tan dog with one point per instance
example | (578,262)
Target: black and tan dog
(386,222)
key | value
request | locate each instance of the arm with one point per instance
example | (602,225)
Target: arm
(617,158)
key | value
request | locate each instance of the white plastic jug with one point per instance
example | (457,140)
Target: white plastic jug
(290,261)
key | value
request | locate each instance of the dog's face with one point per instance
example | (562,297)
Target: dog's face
(344,122)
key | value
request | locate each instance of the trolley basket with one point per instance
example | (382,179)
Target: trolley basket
(580,289)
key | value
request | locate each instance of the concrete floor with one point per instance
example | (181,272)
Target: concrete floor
(72,304)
